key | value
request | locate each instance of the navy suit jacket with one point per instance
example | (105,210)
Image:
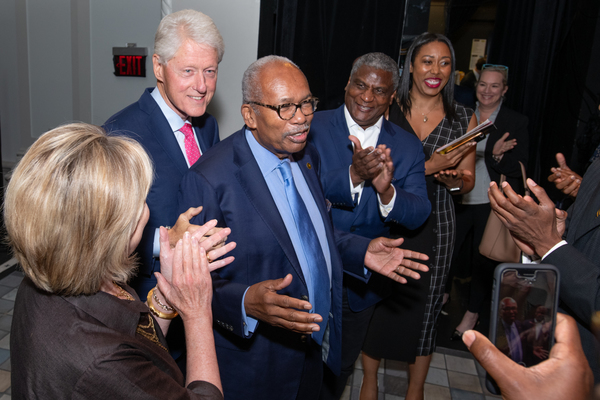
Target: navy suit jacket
(579,262)
(230,186)
(329,133)
(144,122)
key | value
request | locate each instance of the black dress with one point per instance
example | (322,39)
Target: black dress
(404,325)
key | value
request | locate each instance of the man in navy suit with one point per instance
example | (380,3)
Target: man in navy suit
(509,340)
(187,51)
(270,341)
(572,244)
(373,172)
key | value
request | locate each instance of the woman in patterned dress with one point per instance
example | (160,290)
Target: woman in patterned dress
(404,325)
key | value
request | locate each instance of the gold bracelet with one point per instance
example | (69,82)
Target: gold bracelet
(154,311)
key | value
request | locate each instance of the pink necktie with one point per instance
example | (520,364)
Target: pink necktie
(191,148)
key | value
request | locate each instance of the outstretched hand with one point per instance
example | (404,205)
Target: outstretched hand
(264,303)
(566,374)
(384,257)
(452,178)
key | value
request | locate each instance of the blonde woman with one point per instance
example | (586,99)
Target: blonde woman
(74,212)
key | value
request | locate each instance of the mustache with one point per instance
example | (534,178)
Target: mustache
(297,129)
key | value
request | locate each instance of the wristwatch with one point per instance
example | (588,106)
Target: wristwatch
(457,189)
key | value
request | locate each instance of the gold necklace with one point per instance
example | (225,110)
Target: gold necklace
(424,115)
(123,294)
(425,119)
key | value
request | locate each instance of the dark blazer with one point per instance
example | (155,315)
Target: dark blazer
(145,122)
(230,186)
(579,262)
(89,347)
(502,341)
(510,121)
(329,133)
(469,80)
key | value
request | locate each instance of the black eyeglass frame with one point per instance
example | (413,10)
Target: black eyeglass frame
(312,100)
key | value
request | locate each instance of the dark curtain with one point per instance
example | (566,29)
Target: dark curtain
(546,45)
(324,37)
(458,13)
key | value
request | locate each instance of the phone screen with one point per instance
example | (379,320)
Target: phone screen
(525,315)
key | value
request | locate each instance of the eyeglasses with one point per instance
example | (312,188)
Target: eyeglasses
(495,67)
(288,110)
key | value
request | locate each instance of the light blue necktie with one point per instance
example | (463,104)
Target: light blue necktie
(312,250)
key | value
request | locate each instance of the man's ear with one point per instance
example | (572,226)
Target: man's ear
(157,67)
(347,84)
(249,116)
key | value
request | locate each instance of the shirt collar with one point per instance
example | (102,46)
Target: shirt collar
(352,124)
(174,120)
(492,117)
(267,161)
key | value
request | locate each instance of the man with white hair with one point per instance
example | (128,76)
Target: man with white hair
(171,122)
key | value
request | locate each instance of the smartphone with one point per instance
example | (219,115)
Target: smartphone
(523,317)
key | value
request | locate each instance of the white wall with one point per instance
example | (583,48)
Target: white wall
(237,20)
(57,67)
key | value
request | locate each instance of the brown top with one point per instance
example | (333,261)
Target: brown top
(92,347)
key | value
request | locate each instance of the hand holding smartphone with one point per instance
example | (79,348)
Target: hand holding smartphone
(523,318)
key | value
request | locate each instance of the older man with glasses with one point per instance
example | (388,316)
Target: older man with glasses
(278,306)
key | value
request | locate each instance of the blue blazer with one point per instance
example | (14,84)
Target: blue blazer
(230,186)
(145,122)
(329,133)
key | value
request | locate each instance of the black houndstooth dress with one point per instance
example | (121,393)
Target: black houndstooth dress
(404,325)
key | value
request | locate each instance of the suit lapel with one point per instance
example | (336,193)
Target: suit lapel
(308,168)
(161,130)
(255,188)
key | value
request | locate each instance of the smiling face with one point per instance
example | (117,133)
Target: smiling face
(281,83)
(431,68)
(188,81)
(490,88)
(508,310)
(369,93)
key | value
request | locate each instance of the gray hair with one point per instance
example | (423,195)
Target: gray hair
(251,87)
(378,61)
(175,28)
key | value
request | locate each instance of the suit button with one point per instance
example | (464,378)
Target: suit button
(304,297)
(303,338)
(352,228)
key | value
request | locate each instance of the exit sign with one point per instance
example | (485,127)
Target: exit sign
(130,60)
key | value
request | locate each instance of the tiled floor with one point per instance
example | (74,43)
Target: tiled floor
(453,375)
(8,292)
